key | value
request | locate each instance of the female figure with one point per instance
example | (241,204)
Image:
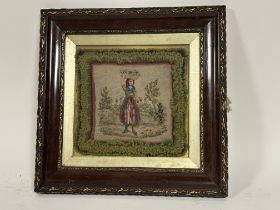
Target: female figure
(129,114)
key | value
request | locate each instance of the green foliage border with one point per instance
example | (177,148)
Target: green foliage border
(176,57)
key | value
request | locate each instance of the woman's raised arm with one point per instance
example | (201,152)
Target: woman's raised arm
(123,80)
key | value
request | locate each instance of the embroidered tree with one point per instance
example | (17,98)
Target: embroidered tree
(105,100)
(160,114)
(157,110)
(152,93)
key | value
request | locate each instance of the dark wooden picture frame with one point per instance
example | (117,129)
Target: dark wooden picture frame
(210,180)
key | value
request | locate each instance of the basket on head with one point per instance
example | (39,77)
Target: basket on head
(130,74)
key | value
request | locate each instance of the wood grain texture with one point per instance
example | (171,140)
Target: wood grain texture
(211,180)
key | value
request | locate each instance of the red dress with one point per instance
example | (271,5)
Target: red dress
(129,114)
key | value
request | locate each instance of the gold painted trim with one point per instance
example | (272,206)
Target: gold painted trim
(133,39)
(71,159)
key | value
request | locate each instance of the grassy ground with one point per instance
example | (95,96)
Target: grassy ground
(148,130)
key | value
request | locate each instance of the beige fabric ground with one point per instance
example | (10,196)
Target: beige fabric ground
(108,75)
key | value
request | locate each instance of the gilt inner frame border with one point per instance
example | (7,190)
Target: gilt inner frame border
(192,159)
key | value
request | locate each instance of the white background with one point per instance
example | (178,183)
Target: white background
(253,85)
